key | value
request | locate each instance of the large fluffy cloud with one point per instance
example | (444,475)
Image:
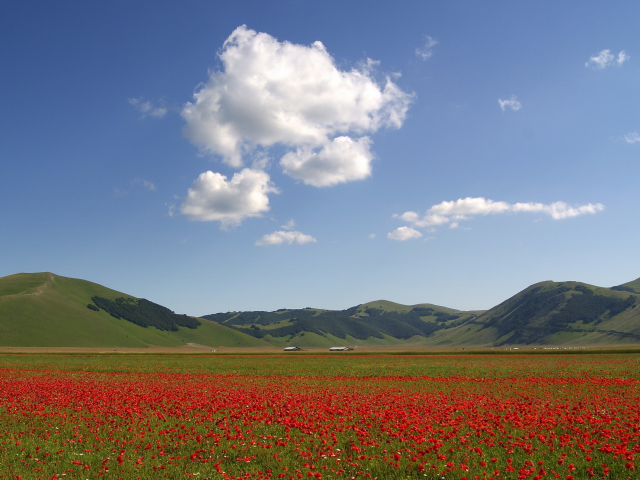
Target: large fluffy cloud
(213,197)
(465,208)
(270,92)
(289,237)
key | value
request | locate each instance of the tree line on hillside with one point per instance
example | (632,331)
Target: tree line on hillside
(259,317)
(623,288)
(341,324)
(143,313)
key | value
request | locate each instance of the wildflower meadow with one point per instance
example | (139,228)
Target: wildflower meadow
(320,416)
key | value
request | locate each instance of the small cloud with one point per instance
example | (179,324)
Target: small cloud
(276,238)
(289,225)
(133,185)
(607,59)
(214,198)
(146,184)
(404,233)
(632,137)
(425,52)
(171,209)
(146,107)
(512,103)
(372,236)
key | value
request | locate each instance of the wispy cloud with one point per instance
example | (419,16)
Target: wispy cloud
(453,212)
(606,59)
(632,137)
(511,103)
(171,209)
(146,107)
(289,225)
(289,237)
(426,51)
(134,185)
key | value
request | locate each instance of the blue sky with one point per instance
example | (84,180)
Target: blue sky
(212,156)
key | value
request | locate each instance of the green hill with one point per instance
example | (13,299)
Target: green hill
(47,310)
(633,286)
(553,313)
(376,323)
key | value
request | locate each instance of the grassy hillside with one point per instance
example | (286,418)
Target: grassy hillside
(375,323)
(632,286)
(388,306)
(553,313)
(47,310)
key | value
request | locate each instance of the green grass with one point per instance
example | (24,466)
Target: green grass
(634,285)
(47,310)
(500,364)
(153,416)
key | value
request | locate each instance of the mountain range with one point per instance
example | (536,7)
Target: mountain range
(48,310)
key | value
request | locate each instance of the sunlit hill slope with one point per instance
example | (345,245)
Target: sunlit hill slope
(47,310)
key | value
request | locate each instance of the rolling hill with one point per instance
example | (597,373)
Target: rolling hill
(547,313)
(380,322)
(553,313)
(47,310)
(632,286)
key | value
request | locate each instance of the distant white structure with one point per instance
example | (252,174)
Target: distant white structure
(340,349)
(292,349)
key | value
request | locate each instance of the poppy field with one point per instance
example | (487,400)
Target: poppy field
(311,416)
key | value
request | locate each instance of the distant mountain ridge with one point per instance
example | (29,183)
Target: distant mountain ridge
(360,322)
(547,313)
(44,309)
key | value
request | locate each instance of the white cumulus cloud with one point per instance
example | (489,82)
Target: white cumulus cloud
(270,92)
(341,160)
(214,198)
(426,51)
(289,237)
(404,233)
(453,212)
(632,137)
(607,59)
(511,103)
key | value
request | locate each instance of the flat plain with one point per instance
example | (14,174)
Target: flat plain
(376,415)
